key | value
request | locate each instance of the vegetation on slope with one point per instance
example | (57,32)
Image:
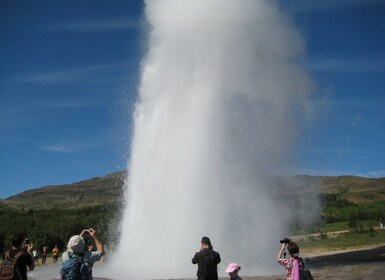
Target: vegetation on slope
(50,215)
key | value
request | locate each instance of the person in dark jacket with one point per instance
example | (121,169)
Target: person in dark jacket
(207,260)
(22,250)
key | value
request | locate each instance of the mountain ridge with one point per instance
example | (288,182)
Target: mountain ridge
(90,192)
(109,189)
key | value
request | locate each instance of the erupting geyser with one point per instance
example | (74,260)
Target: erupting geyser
(217,112)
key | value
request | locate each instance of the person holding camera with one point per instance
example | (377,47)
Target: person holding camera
(294,264)
(207,260)
(21,251)
(75,248)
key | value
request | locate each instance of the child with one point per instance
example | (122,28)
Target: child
(233,269)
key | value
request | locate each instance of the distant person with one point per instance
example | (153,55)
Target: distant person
(35,257)
(207,260)
(294,265)
(21,251)
(233,269)
(55,253)
(75,249)
(381,223)
(43,255)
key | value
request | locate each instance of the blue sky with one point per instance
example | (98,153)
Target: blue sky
(69,74)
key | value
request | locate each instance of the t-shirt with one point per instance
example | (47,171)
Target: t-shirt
(55,252)
(289,264)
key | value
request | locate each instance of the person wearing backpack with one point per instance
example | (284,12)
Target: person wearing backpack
(207,260)
(76,262)
(295,267)
(17,259)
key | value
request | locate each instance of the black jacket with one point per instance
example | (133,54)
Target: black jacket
(21,264)
(207,261)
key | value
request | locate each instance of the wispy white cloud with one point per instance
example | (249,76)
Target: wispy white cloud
(85,73)
(373,174)
(365,102)
(32,112)
(65,104)
(64,147)
(298,6)
(320,172)
(97,25)
(345,65)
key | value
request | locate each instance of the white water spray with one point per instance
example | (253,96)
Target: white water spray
(216,113)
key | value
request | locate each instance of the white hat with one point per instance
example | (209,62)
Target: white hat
(76,244)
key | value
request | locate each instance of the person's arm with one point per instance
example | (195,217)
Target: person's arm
(31,263)
(279,256)
(195,259)
(99,245)
(218,258)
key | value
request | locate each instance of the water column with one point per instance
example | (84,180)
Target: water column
(217,114)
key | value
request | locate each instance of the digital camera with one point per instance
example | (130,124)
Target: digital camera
(285,240)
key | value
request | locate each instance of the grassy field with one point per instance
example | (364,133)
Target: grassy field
(344,226)
(345,240)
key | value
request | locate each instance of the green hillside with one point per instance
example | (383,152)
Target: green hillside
(110,188)
(92,192)
(51,214)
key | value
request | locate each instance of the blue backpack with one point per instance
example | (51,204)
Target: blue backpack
(75,268)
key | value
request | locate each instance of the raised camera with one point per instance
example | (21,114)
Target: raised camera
(285,240)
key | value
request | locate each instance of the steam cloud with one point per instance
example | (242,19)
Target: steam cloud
(218,111)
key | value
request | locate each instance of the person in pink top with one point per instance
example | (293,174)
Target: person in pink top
(294,264)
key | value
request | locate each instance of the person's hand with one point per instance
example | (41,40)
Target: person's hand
(29,247)
(92,232)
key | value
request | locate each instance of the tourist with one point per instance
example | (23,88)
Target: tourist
(207,260)
(76,247)
(233,269)
(294,263)
(55,253)
(43,255)
(35,257)
(381,223)
(22,251)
